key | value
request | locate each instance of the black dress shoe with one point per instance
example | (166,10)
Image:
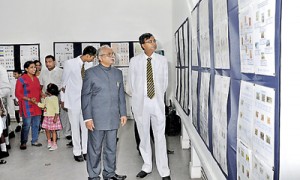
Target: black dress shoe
(8,146)
(84,157)
(11,135)
(142,174)
(170,152)
(69,137)
(18,128)
(78,158)
(3,154)
(116,177)
(70,144)
(166,178)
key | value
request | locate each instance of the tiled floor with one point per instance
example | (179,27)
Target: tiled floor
(39,163)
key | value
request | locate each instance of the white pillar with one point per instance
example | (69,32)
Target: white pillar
(185,140)
(195,164)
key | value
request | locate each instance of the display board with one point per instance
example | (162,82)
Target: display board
(13,56)
(182,39)
(235,78)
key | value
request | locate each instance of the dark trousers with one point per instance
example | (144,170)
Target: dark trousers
(96,140)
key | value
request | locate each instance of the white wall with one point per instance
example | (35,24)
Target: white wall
(290,92)
(36,21)
(45,22)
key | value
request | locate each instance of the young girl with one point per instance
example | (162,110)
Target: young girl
(51,122)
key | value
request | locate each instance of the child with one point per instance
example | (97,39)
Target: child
(51,122)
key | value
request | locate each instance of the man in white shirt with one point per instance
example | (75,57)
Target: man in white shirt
(72,84)
(5,89)
(53,74)
(147,84)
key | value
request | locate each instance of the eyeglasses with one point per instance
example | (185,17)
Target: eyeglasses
(108,55)
(150,41)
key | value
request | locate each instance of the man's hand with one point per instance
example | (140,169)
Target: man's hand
(90,125)
(123,120)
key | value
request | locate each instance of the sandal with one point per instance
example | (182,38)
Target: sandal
(2,161)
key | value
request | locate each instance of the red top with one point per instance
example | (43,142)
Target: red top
(28,87)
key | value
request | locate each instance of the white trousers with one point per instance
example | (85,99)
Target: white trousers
(79,132)
(152,114)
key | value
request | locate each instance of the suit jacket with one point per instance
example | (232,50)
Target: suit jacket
(103,97)
(137,80)
(72,81)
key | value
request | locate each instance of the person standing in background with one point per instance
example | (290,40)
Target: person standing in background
(71,85)
(5,90)
(147,84)
(53,74)
(103,111)
(38,66)
(16,73)
(28,91)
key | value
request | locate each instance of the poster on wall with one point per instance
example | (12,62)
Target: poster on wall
(28,53)
(220,31)
(219,117)
(178,84)
(246,39)
(245,114)
(244,161)
(221,45)
(257,36)
(263,126)
(122,53)
(186,45)
(194,35)
(186,92)
(219,10)
(203,106)
(260,170)
(264,37)
(181,47)
(7,57)
(195,98)
(204,35)
(63,52)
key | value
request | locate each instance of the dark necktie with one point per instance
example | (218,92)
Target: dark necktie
(82,71)
(150,83)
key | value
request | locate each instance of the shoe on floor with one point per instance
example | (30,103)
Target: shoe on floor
(49,145)
(18,128)
(23,146)
(70,144)
(78,158)
(11,135)
(84,157)
(3,154)
(8,146)
(69,137)
(116,177)
(37,144)
(166,178)
(142,174)
(2,161)
(53,148)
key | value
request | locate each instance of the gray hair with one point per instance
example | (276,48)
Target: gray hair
(99,51)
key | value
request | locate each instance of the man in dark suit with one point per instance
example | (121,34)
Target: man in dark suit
(103,108)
